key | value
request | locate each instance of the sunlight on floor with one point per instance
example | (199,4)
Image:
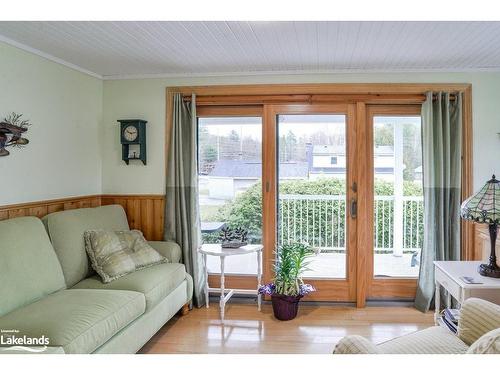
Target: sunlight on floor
(316,329)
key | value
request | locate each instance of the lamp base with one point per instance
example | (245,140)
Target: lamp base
(489,270)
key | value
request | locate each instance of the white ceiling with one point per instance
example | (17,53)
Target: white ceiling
(127,49)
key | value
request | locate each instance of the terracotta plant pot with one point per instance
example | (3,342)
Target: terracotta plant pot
(285,307)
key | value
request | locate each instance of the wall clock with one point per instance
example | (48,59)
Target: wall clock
(133,140)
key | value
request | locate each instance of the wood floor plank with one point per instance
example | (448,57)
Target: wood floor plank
(316,329)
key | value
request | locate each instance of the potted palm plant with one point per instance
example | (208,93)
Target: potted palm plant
(288,287)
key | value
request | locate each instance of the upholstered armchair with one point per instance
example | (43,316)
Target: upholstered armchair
(478,332)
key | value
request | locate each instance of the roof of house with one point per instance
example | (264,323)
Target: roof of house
(341,150)
(329,150)
(340,170)
(253,169)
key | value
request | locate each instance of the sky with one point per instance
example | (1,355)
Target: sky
(300,125)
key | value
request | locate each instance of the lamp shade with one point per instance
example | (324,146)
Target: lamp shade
(484,206)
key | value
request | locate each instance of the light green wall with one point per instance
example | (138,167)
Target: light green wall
(145,98)
(63,157)
(74,142)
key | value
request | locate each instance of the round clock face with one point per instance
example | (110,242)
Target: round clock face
(130,133)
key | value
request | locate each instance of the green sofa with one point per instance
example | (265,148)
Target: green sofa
(48,288)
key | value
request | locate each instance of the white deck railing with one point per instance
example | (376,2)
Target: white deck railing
(320,220)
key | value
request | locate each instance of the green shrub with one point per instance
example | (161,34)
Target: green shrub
(319,221)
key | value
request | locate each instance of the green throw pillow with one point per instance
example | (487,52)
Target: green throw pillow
(114,254)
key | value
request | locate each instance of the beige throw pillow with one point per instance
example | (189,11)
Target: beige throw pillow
(489,343)
(116,253)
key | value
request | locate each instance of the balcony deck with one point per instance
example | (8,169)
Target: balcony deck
(320,221)
(323,265)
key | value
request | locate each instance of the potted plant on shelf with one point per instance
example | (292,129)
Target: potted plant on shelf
(288,287)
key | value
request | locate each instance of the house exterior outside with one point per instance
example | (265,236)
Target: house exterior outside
(228,178)
(331,161)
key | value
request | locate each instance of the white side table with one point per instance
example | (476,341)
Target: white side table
(448,276)
(217,250)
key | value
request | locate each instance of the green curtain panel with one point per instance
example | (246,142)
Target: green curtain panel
(442,152)
(182,214)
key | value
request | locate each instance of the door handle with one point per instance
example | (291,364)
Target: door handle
(354,208)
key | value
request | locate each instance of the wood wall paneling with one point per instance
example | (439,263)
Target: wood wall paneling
(4,214)
(42,208)
(144,212)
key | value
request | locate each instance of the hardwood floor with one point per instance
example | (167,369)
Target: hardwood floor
(316,329)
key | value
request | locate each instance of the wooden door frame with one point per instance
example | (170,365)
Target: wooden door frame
(233,281)
(360,94)
(381,287)
(345,289)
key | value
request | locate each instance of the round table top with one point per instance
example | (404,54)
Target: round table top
(217,250)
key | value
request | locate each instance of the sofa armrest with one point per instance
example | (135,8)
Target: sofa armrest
(355,344)
(477,317)
(168,249)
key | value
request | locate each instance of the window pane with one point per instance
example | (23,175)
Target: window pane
(312,191)
(229,178)
(398,203)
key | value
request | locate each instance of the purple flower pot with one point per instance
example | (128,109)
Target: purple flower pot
(285,307)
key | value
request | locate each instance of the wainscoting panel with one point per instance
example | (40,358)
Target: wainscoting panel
(144,212)
(42,208)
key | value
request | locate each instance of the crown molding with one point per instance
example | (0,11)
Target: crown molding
(296,72)
(49,57)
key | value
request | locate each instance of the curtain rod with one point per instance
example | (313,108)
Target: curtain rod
(452,96)
(306,98)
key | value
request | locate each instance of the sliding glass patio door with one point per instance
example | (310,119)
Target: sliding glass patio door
(315,194)
(230,186)
(344,178)
(394,156)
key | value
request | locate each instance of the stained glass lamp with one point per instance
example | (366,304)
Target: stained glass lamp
(484,207)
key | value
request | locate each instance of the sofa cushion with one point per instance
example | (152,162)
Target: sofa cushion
(489,343)
(77,320)
(29,268)
(155,282)
(114,254)
(66,229)
(432,340)
(168,249)
(355,344)
(477,317)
